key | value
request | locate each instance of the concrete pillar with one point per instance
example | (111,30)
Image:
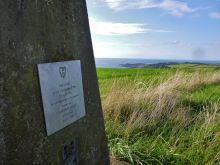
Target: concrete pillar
(41,31)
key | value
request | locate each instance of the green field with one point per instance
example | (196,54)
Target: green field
(162,116)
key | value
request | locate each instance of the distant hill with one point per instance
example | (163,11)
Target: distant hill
(157,65)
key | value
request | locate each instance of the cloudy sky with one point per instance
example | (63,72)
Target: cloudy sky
(155,29)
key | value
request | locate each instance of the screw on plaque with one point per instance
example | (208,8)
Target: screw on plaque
(69,153)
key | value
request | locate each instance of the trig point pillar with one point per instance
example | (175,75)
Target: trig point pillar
(50,111)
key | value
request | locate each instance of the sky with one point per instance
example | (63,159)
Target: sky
(155,29)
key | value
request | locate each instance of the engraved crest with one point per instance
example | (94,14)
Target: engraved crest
(62,71)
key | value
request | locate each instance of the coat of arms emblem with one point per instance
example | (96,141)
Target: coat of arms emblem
(62,71)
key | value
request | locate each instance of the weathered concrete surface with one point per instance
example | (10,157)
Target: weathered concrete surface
(39,31)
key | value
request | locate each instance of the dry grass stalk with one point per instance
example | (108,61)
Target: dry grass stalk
(138,104)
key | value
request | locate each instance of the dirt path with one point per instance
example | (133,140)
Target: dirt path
(116,162)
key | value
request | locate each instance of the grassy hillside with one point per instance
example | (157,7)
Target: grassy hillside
(162,116)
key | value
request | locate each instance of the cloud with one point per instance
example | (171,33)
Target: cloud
(172,7)
(215,15)
(113,49)
(174,42)
(175,8)
(217,43)
(112,28)
(115,44)
(178,43)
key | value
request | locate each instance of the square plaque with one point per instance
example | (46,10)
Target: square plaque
(62,94)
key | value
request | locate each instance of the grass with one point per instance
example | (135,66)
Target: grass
(162,116)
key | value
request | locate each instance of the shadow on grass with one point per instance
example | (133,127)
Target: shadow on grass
(196,106)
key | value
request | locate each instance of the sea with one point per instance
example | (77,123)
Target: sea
(116,62)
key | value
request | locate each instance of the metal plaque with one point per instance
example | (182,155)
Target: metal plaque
(62,94)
